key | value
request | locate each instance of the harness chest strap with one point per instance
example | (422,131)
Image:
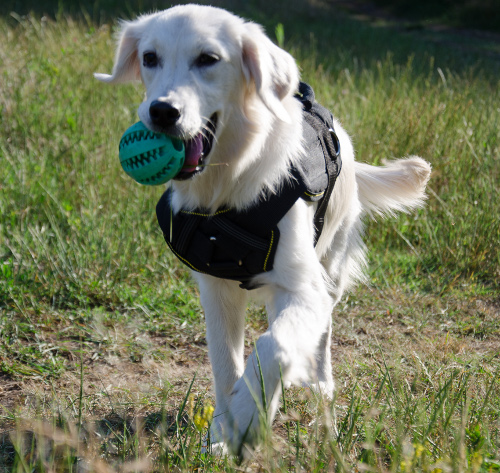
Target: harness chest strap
(238,245)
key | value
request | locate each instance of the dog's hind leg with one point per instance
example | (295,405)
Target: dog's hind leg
(224,303)
(343,263)
(324,384)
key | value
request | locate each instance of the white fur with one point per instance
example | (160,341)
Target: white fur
(258,135)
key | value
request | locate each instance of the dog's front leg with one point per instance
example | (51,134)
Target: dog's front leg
(300,310)
(224,303)
(288,349)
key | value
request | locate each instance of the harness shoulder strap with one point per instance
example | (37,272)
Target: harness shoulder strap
(272,207)
(320,120)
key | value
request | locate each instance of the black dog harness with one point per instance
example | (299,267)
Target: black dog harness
(238,245)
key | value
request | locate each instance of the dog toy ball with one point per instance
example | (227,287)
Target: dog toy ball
(150,158)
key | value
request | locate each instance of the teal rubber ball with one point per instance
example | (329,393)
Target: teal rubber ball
(150,158)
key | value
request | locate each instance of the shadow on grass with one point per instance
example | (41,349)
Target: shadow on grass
(334,35)
(481,14)
(101,11)
(115,437)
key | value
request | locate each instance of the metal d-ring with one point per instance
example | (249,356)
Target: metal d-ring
(335,139)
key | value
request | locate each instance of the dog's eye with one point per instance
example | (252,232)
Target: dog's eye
(207,59)
(150,59)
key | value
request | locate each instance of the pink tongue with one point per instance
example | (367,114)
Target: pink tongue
(193,150)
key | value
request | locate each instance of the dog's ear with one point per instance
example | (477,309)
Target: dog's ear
(273,71)
(127,66)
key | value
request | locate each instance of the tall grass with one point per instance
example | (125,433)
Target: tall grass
(436,422)
(71,219)
(84,272)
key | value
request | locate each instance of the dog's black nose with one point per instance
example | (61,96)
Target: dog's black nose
(163,114)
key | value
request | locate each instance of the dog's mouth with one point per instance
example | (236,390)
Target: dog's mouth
(197,150)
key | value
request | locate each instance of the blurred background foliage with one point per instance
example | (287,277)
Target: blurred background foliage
(475,14)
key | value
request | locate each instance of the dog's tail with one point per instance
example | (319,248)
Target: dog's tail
(397,186)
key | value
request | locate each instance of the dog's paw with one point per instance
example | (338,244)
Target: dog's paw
(324,389)
(218,449)
(226,438)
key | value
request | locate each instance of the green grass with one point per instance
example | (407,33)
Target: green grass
(101,331)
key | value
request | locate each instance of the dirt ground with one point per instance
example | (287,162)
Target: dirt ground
(361,338)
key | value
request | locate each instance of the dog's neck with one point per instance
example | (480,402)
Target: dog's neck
(252,155)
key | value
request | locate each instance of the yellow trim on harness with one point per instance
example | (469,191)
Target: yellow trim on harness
(183,259)
(314,195)
(269,250)
(205,215)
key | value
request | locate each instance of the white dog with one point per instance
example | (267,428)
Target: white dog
(217,82)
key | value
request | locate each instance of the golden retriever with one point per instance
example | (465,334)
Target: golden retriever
(217,82)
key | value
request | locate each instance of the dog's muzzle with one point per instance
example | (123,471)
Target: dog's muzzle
(165,117)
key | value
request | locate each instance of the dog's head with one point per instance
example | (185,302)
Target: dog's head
(200,66)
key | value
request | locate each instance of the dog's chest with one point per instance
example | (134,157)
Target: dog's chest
(238,245)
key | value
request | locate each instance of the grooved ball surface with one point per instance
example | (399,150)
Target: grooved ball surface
(150,158)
